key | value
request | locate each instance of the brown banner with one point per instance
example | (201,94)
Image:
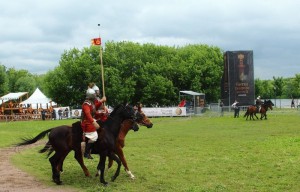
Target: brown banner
(238,78)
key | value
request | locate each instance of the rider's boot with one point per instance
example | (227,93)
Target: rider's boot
(88,150)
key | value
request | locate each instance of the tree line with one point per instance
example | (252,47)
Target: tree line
(147,73)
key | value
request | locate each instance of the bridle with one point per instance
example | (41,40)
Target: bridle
(142,122)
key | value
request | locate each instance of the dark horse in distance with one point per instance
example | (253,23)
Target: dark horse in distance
(63,139)
(252,110)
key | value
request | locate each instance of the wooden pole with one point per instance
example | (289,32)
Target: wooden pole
(102,71)
(101,64)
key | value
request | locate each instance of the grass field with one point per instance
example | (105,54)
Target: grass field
(206,153)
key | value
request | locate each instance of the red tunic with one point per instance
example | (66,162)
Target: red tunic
(88,112)
(102,114)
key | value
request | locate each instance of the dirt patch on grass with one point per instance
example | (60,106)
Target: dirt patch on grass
(13,179)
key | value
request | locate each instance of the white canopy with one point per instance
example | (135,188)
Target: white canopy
(12,96)
(38,98)
(191,93)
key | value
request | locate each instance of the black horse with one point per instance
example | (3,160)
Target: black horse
(63,139)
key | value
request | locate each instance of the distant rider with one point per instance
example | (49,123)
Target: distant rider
(258,103)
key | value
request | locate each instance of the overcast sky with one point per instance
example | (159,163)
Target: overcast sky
(35,33)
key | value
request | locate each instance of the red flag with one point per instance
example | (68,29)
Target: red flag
(96,41)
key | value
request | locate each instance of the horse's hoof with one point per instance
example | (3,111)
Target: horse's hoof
(105,184)
(113,178)
(58,182)
(130,174)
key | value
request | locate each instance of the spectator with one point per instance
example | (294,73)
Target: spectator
(67,113)
(60,113)
(236,109)
(293,103)
(54,114)
(221,106)
(43,112)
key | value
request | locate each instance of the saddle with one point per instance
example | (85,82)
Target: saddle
(258,109)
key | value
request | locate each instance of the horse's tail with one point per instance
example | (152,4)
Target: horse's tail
(28,141)
(47,147)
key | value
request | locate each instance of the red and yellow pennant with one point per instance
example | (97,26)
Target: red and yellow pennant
(96,41)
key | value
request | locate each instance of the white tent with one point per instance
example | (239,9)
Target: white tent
(38,99)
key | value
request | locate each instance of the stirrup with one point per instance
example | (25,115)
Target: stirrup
(88,156)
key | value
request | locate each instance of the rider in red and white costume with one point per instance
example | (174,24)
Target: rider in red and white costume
(88,121)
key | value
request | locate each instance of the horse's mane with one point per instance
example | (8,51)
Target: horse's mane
(113,113)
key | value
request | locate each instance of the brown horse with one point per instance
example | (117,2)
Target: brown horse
(120,142)
(252,110)
(63,139)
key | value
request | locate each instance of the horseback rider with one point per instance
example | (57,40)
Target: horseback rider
(88,123)
(258,103)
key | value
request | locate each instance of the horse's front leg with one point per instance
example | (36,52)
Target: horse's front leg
(79,158)
(101,167)
(114,157)
(251,116)
(261,116)
(119,152)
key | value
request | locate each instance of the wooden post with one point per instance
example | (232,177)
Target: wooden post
(102,72)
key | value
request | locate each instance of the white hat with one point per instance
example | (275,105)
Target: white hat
(95,87)
(258,97)
(90,93)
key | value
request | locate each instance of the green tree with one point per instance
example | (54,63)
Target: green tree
(296,86)
(67,83)
(118,90)
(292,87)
(258,87)
(134,72)
(26,84)
(14,75)
(4,82)
(204,66)
(278,86)
(264,88)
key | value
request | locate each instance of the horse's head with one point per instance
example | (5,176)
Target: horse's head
(126,112)
(129,124)
(269,104)
(144,121)
(135,127)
